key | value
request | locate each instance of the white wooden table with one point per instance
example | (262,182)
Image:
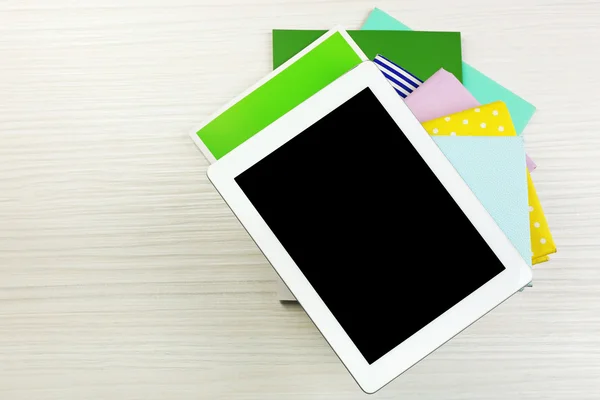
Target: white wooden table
(123,275)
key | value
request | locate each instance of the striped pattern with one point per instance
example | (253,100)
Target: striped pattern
(403,81)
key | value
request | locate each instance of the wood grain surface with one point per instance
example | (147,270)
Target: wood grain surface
(123,275)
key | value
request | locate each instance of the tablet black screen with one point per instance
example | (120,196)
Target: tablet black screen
(370,226)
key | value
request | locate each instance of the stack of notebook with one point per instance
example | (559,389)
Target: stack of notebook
(476,122)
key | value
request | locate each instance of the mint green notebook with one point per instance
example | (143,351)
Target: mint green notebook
(483,88)
(317,65)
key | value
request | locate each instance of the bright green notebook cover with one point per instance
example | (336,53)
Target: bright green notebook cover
(325,60)
(421,53)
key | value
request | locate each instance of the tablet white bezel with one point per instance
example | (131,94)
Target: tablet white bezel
(369,377)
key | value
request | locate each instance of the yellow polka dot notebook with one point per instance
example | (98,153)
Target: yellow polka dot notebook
(488,120)
(494,120)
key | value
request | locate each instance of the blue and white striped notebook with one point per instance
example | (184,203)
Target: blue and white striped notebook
(403,81)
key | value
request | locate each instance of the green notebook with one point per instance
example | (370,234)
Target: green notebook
(421,53)
(321,60)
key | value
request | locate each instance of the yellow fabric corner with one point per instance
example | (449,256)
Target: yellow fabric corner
(494,119)
(540,260)
(542,243)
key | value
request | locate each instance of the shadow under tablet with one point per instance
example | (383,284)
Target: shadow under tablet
(363,232)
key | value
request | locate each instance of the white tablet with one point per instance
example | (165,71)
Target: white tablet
(357,241)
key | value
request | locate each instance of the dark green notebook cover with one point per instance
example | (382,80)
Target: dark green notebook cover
(421,53)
